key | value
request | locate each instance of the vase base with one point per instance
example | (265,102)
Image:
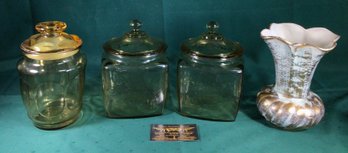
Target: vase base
(290,113)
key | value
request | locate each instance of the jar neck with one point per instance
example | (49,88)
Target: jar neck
(230,61)
(65,59)
(129,60)
(51,55)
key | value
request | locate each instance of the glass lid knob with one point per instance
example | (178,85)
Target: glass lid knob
(212,31)
(51,27)
(135,24)
(212,27)
(136,32)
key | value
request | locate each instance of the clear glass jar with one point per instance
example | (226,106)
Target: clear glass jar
(135,74)
(210,76)
(52,76)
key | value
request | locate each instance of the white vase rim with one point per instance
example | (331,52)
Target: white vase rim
(318,37)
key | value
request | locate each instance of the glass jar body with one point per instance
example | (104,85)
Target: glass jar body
(52,89)
(134,86)
(209,88)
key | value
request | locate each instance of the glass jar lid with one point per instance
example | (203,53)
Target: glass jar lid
(134,43)
(51,43)
(212,44)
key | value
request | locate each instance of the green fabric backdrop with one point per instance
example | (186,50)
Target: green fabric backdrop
(174,21)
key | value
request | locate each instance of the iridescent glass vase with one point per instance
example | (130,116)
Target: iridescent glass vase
(289,104)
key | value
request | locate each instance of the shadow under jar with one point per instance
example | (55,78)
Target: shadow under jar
(52,76)
(134,74)
(210,76)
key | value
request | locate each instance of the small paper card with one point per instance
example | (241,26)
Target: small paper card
(173,132)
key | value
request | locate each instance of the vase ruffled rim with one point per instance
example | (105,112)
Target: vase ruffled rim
(317,37)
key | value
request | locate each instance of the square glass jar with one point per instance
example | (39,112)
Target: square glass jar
(135,74)
(210,77)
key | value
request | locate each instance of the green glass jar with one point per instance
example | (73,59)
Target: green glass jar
(134,74)
(52,76)
(210,76)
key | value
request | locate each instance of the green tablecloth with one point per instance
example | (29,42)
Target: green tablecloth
(174,21)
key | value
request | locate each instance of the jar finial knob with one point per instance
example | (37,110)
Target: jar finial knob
(51,27)
(212,26)
(135,24)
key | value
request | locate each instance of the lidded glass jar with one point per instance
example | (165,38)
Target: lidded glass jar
(52,76)
(210,76)
(134,73)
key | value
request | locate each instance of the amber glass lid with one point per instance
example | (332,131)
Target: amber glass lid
(212,44)
(134,43)
(51,42)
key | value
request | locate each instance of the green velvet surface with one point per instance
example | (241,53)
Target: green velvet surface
(174,21)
